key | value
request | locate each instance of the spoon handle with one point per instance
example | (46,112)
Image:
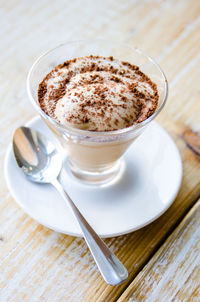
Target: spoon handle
(112,270)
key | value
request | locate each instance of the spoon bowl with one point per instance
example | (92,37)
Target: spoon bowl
(36,155)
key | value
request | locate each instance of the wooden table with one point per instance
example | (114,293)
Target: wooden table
(163,259)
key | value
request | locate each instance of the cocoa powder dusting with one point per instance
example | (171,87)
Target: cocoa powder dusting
(104,83)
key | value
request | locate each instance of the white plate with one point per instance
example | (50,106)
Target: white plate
(147,187)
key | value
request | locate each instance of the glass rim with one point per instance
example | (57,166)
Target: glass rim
(90,133)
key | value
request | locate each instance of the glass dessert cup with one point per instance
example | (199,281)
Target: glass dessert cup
(95,157)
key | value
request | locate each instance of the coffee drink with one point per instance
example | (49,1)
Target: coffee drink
(100,95)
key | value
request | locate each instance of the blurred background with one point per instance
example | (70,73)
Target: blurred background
(29,28)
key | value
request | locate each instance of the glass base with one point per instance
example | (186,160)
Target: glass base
(102,177)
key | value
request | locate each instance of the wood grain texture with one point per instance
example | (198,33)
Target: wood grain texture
(173,272)
(36,263)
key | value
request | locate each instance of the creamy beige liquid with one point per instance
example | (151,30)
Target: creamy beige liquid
(97,94)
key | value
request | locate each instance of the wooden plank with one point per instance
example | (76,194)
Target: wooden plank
(173,272)
(36,263)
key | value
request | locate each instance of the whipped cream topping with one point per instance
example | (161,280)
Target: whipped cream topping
(97,94)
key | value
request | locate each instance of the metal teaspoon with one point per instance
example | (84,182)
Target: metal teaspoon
(40,161)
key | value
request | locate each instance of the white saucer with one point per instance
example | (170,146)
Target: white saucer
(147,187)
